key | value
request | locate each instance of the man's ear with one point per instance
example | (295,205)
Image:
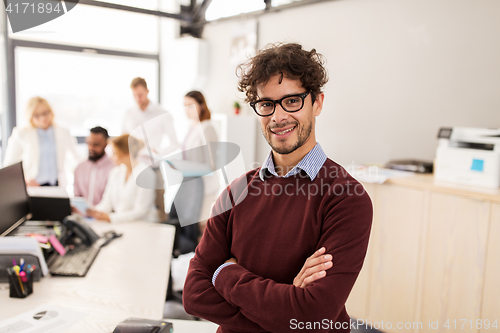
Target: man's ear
(318,104)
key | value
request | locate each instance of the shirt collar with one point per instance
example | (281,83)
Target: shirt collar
(310,164)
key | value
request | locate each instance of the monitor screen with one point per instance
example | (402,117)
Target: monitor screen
(14,200)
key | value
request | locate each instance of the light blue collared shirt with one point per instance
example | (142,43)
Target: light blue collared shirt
(47,172)
(311,164)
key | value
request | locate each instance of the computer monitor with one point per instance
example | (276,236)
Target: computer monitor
(14,199)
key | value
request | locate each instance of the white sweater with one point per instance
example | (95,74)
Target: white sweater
(23,145)
(124,201)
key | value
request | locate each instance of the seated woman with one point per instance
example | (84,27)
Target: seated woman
(42,146)
(123,200)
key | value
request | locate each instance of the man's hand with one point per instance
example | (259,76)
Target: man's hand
(314,268)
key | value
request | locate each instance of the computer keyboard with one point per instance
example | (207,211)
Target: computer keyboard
(76,262)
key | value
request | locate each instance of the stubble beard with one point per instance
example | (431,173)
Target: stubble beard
(96,158)
(302,136)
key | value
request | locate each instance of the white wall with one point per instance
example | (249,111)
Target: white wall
(399,70)
(180,67)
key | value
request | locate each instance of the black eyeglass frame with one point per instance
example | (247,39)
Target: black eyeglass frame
(303,97)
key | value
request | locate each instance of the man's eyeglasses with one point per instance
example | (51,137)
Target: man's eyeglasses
(290,103)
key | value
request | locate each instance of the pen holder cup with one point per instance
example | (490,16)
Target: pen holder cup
(15,286)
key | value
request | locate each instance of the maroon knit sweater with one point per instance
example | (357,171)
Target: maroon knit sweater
(274,227)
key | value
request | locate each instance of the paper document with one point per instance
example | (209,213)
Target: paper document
(80,204)
(46,318)
(374,174)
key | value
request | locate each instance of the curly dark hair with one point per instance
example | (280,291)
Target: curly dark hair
(288,60)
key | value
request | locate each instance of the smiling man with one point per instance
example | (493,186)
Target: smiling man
(287,253)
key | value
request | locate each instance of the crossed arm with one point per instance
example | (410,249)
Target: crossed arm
(314,268)
(245,302)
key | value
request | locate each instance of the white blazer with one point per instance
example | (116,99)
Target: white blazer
(199,136)
(23,145)
(124,201)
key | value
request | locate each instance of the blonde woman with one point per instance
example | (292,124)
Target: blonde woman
(123,200)
(44,147)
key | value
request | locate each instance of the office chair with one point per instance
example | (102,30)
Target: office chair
(186,208)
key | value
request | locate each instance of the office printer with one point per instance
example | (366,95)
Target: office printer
(468,156)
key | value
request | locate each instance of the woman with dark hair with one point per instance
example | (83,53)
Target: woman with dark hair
(201,133)
(197,99)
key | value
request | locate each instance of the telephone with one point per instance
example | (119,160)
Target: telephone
(77,228)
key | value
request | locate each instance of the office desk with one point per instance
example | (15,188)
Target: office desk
(128,279)
(191,326)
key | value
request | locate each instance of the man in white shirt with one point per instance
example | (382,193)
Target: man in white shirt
(155,127)
(158,134)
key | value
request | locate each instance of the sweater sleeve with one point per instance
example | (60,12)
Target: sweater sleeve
(345,233)
(199,296)
(14,150)
(143,204)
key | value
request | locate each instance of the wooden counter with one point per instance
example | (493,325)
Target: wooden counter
(427,182)
(433,256)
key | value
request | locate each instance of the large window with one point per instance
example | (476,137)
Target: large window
(3,80)
(146,4)
(84,89)
(100,28)
(226,8)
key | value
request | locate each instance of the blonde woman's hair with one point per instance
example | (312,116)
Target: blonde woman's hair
(31,106)
(128,144)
